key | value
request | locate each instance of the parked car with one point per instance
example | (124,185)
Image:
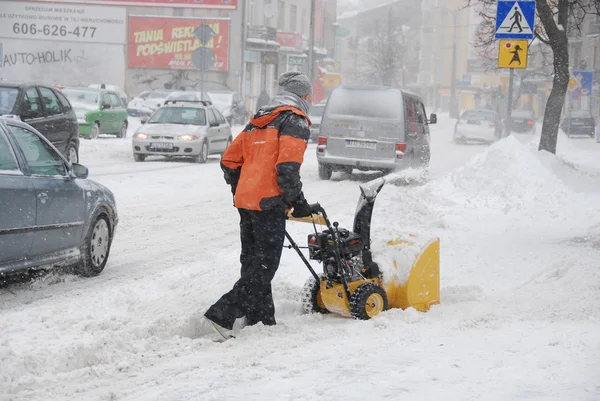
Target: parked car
(373,128)
(192,129)
(580,122)
(187,95)
(156,99)
(51,213)
(45,109)
(230,104)
(478,125)
(521,121)
(114,88)
(98,111)
(137,106)
(316,115)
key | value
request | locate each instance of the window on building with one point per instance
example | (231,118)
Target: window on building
(303,27)
(267,20)
(281,16)
(293,18)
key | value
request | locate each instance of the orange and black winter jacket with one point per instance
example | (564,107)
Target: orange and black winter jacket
(262,165)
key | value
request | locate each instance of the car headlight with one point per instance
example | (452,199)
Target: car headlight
(188,138)
(140,135)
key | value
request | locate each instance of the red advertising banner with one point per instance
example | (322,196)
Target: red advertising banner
(227,4)
(290,39)
(168,43)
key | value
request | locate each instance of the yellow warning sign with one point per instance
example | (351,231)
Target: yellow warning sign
(513,54)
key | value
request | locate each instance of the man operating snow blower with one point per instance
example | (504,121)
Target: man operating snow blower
(262,165)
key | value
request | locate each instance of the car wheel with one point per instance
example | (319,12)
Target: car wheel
(325,171)
(95,131)
(123,131)
(203,155)
(72,154)
(96,248)
(139,158)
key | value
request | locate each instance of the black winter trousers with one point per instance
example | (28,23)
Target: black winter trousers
(262,235)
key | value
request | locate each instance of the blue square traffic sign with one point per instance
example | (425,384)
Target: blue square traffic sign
(515,19)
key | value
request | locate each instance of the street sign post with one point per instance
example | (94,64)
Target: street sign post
(203,58)
(515,19)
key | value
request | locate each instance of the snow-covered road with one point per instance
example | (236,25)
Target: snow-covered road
(519,318)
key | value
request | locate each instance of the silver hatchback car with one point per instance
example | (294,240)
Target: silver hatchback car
(373,128)
(183,128)
(50,213)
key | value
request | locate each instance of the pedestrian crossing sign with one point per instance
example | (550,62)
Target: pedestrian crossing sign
(515,19)
(513,54)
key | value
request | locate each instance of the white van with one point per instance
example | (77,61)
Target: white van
(373,128)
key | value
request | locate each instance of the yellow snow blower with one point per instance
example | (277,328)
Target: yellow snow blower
(352,283)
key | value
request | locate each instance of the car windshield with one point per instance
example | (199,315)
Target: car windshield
(317,111)
(478,115)
(579,114)
(521,114)
(158,95)
(81,98)
(366,103)
(179,115)
(8,96)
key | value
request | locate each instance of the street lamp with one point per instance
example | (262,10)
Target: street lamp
(454,105)
(405,30)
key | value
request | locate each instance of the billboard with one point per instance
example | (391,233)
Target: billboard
(290,39)
(62,63)
(168,43)
(62,22)
(223,4)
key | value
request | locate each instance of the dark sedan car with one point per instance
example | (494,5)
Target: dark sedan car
(578,123)
(45,109)
(50,214)
(521,121)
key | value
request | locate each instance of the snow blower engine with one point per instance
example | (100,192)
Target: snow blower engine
(352,283)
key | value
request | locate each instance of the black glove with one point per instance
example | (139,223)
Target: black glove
(301,208)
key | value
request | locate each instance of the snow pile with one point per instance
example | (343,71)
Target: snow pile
(510,189)
(506,178)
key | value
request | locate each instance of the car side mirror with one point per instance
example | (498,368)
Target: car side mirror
(214,124)
(79,171)
(105,106)
(433,118)
(143,121)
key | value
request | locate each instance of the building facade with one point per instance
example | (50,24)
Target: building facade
(366,35)
(278,33)
(163,44)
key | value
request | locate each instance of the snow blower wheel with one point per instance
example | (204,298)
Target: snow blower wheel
(368,301)
(311,297)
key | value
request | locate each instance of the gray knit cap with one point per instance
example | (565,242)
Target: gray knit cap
(295,82)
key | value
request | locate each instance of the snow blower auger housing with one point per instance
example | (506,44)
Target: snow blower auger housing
(352,283)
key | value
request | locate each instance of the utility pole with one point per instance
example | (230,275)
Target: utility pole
(311,41)
(453,100)
(243,72)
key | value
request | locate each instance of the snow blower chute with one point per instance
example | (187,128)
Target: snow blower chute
(352,283)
